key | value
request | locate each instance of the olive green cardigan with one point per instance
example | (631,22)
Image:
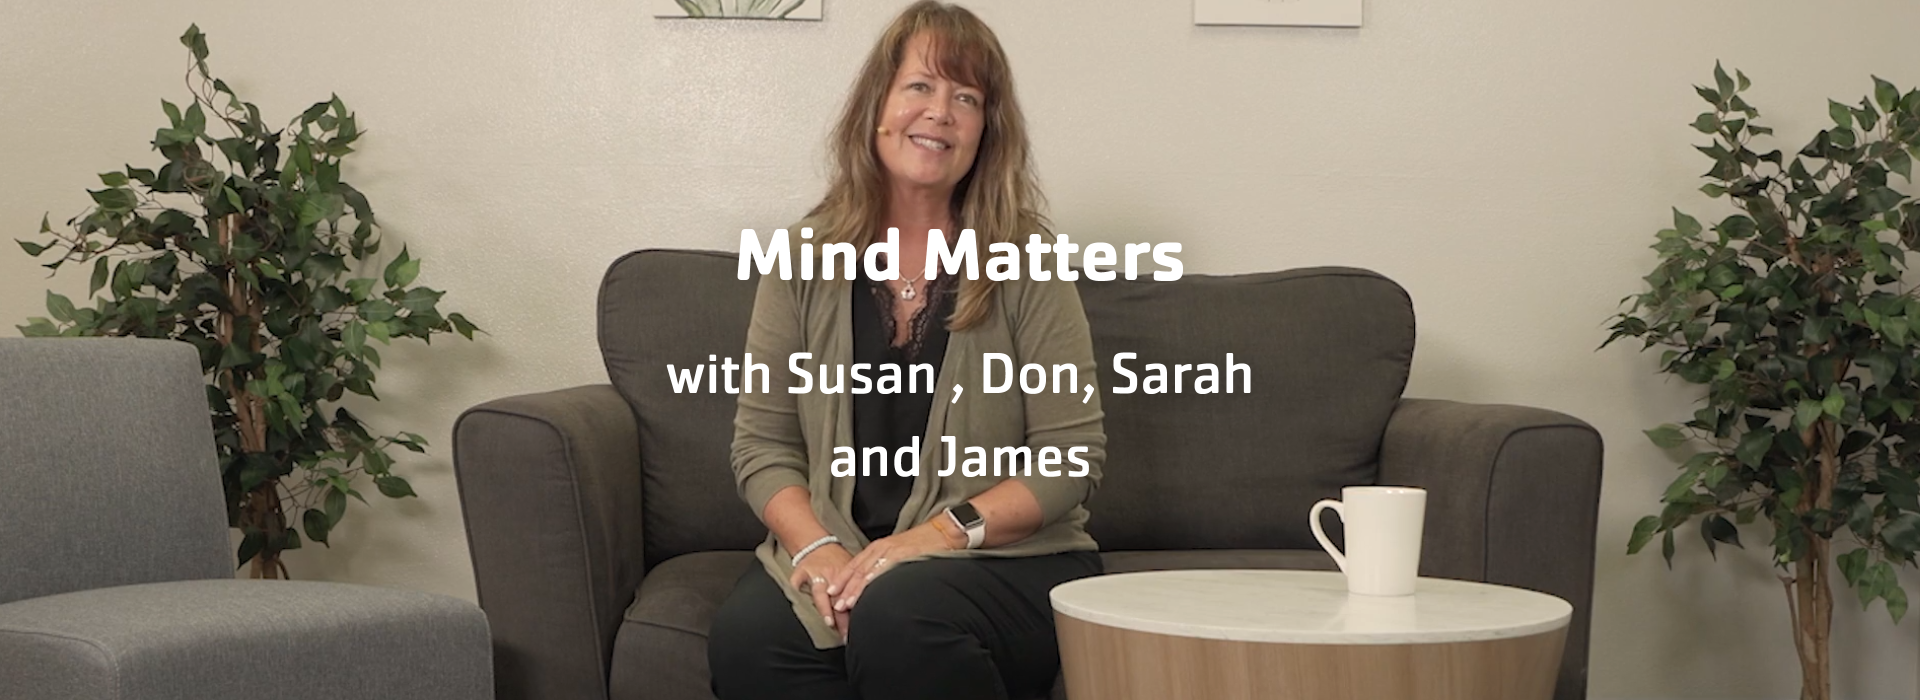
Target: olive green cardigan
(783,439)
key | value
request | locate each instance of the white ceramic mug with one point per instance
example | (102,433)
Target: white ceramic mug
(1383,526)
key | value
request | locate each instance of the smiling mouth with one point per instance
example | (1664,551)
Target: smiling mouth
(931,144)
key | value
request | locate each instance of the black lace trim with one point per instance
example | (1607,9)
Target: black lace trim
(938,295)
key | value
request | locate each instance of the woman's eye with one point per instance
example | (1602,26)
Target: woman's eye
(970,99)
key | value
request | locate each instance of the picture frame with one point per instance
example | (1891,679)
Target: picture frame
(803,10)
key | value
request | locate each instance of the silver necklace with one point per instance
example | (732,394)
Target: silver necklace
(907,292)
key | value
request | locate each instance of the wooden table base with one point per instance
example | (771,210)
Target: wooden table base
(1108,663)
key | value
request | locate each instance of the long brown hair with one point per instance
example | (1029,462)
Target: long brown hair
(999,198)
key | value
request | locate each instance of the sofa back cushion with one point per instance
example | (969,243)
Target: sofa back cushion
(661,307)
(1327,349)
(108,472)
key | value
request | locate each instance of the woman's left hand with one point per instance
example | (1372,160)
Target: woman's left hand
(881,556)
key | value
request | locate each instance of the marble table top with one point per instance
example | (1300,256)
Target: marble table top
(1306,607)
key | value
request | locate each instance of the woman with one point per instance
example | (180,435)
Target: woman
(922,586)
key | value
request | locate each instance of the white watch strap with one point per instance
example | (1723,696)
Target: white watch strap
(976,535)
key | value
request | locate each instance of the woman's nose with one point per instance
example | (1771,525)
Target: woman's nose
(938,113)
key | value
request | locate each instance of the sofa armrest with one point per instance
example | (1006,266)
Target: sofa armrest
(1513,498)
(550,490)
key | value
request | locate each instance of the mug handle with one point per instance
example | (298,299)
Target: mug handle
(1313,518)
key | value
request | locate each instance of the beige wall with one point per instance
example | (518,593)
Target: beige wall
(1507,161)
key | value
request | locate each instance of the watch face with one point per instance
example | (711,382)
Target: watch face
(967,514)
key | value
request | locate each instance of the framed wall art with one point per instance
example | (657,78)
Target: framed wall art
(738,9)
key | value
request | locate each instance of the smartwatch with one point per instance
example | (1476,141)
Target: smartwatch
(969,520)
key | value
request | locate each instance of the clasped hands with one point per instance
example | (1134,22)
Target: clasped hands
(835,578)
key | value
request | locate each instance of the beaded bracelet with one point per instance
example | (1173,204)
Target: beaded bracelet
(822,542)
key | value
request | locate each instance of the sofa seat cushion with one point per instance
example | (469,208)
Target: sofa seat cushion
(239,640)
(661,651)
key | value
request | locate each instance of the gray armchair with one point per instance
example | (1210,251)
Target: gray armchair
(605,528)
(116,577)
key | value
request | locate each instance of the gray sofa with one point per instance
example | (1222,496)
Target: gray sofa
(605,528)
(116,576)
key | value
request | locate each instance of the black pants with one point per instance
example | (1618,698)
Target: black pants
(968,629)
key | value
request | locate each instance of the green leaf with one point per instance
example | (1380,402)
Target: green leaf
(1718,529)
(1707,123)
(1708,94)
(1853,565)
(114,200)
(314,112)
(1726,368)
(1881,368)
(59,307)
(38,328)
(1806,413)
(1721,80)
(232,355)
(196,42)
(1666,436)
(1902,531)
(1754,446)
(1886,95)
(420,300)
(1874,582)
(312,210)
(173,113)
(1834,403)
(195,121)
(250,545)
(33,249)
(1683,484)
(316,525)
(1841,114)
(360,288)
(378,310)
(1666,548)
(1897,329)
(355,337)
(378,330)
(99,278)
(1900,162)
(462,326)
(336,506)
(1896,600)
(113,179)
(1642,534)
(393,487)
(402,271)
(1714,475)
(1688,226)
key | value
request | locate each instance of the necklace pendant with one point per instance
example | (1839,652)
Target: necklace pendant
(908,293)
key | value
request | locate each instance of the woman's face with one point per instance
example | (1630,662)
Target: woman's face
(930,126)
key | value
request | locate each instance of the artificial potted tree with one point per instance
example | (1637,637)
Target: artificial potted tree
(247,245)
(1793,312)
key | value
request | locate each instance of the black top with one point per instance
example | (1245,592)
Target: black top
(892,420)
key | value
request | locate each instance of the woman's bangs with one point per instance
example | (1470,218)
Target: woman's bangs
(964,57)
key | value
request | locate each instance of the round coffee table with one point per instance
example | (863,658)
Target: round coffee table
(1298,635)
